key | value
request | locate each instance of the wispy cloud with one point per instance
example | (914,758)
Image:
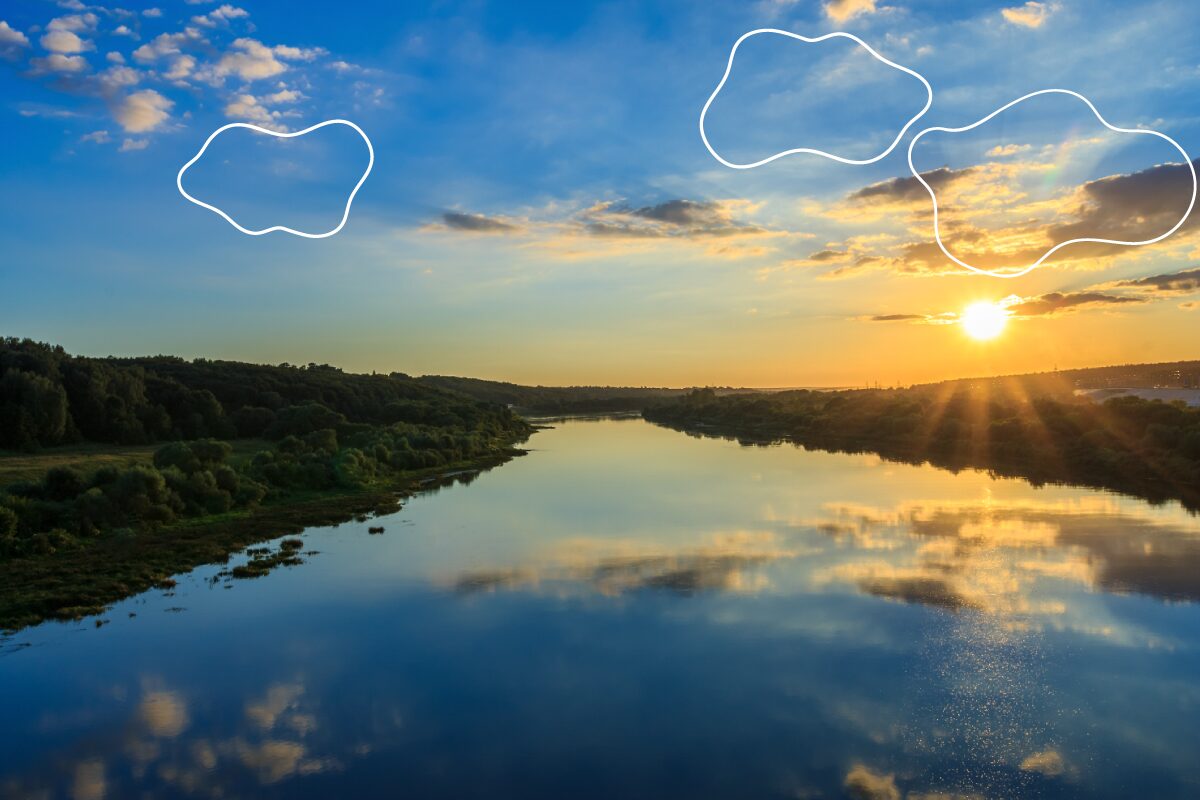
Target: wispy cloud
(1031,15)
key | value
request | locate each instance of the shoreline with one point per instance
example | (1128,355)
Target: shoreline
(74,584)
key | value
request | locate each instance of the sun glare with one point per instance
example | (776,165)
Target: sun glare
(983,321)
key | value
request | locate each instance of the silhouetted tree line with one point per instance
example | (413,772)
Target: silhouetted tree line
(1143,447)
(48,397)
(553,399)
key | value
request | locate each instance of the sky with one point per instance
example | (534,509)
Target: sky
(542,209)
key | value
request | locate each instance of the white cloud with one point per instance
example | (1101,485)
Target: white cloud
(167,44)
(842,10)
(58,41)
(123,30)
(11,38)
(152,12)
(98,137)
(142,111)
(76,23)
(1007,150)
(57,62)
(251,60)
(133,144)
(283,96)
(246,107)
(115,58)
(1030,15)
(220,15)
(181,67)
(118,77)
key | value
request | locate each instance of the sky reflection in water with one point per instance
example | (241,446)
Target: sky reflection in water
(632,612)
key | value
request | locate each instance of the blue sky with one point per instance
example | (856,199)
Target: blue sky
(542,208)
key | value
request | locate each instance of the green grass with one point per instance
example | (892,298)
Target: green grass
(16,466)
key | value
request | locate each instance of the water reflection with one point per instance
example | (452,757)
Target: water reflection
(161,748)
(628,612)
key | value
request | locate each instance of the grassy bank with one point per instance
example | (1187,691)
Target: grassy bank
(78,582)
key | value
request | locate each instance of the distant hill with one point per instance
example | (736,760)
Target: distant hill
(1166,375)
(559,399)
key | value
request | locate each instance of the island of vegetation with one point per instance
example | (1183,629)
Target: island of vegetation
(1035,427)
(116,473)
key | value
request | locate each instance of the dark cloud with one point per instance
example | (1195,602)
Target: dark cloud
(1058,302)
(1183,282)
(1130,207)
(896,317)
(827,255)
(679,212)
(476,223)
(910,189)
(680,218)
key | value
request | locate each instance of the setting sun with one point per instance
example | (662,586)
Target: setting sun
(983,321)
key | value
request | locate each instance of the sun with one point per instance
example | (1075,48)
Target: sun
(983,321)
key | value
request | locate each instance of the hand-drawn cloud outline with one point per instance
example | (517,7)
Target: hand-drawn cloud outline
(248,232)
(812,151)
(1024,271)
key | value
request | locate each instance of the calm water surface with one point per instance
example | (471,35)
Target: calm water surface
(632,612)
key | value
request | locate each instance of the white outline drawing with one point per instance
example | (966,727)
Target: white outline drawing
(795,150)
(1008,274)
(248,232)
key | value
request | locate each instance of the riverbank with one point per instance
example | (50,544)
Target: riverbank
(80,582)
(1145,449)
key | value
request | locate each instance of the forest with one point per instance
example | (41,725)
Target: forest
(1146,448)
(319,430)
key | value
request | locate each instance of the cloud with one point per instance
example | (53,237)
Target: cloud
(1131,206)
(1030,15)
(142,111)
(220,15)
(76,23)
(152,12)
(247,107)
(863,783)
(897,317)
(842,10)
(251,60)
(12,41)
(476,223)
(57,62)
(65,42)
(899,194)
(96,137)
(130,145)
(163,713)
(1047,762)
(1183,282)
(167,44)
(118,77)
(680,218)
(727,562)
(1059,302)
(1007,150)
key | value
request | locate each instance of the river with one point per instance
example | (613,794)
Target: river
(632,612)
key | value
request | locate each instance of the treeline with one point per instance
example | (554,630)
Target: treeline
(66,508)
(331,432)
(555,399)
(1147,448)
(552,399)
(48,397)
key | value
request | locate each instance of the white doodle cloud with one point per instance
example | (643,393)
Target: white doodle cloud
(809,150)
(1018,272)
(247,231)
